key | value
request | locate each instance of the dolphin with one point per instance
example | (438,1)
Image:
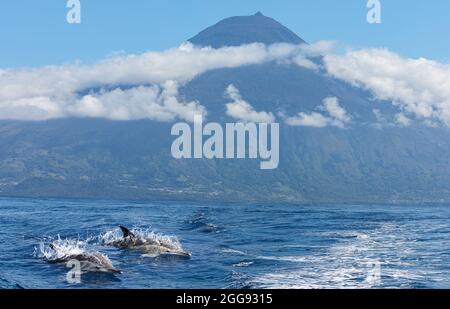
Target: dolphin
(147,246)
(89,261)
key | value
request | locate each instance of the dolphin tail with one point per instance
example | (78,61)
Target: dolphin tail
(126,232)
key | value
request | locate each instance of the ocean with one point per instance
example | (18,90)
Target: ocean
(232,246)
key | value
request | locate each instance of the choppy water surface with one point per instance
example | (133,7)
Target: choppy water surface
(232,246)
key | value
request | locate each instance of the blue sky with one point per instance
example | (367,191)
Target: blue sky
(35,33)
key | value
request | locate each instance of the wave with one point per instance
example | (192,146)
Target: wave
(293,259)
(7,284)
(244,264)
(201,223)
(232,251)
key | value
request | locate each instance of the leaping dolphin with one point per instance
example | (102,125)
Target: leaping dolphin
(89,261)
(146,246)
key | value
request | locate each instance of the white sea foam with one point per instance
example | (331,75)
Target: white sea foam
(243,264)
(294,259)
(233,251)
(357,260)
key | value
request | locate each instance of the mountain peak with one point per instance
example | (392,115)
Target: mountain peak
(238,30)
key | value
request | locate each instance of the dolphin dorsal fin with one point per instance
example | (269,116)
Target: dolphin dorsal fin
(126,232)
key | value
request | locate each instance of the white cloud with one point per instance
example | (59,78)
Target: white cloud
(54,91)
(315,120)
(402,120)
(34,108)
(381,120)
(158,103)
(302,61)
(378,115)
(419,87)
(384,121)
(331,105)
(337,116)
(319,48)
(241,110)
(307,51)
(153,102)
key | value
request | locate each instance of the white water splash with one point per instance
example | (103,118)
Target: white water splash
(146,235)
(61,248)
(53,250)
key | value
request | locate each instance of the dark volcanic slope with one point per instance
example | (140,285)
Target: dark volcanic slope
(235,31)
(363,163)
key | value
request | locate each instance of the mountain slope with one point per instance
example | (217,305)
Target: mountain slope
(235,31)
(109,159)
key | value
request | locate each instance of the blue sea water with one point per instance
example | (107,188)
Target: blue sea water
(234,246)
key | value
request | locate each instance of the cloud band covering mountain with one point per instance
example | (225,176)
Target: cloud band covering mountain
(55,91)
(146,86)
(419,87)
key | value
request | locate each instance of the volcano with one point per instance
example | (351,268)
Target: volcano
(362,163)
(236,31)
